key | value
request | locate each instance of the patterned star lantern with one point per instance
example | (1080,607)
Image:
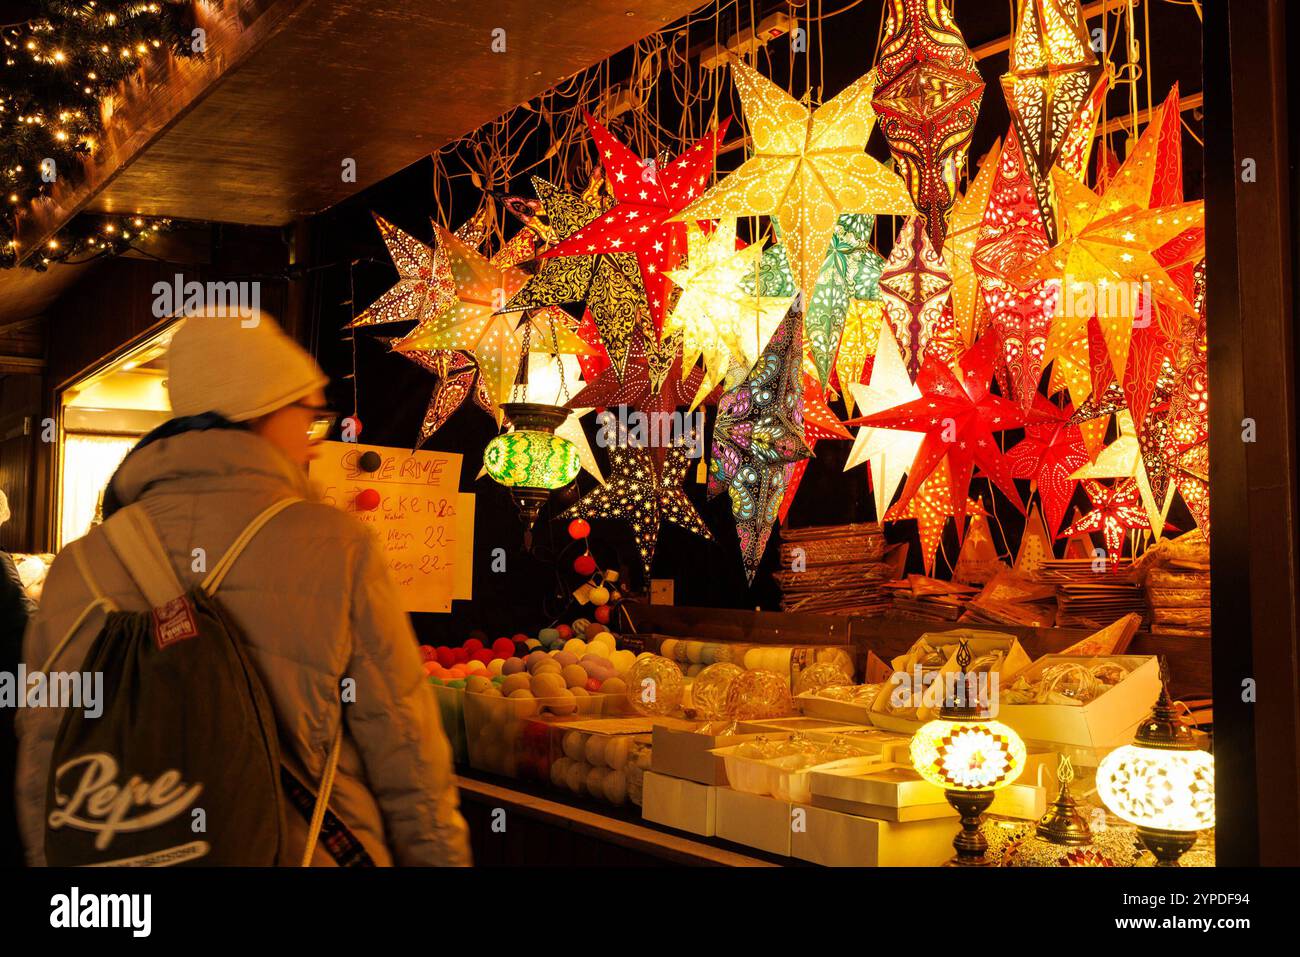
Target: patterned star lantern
(1184,440)
(424,284)
(644,495)
(964,228)
(653,381)
(819,423)
(915,286)
(642,222)
(471,323)
(1050,453)
(758,437)
(806,168)
(456,378)
(1122,459)
(928,96)
(851,268)
(862,324)
(1115,510)
(931,507)
(890,451)
(718,318)
(1053,73)
(1105,261)
(1012,237)
(608,284)
(958,415)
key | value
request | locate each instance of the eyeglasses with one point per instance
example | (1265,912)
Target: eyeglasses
(322,422)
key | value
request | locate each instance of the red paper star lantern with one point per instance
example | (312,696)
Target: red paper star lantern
(1051,451)
(641,222)
(1115,509)
(819,422)
(958,415)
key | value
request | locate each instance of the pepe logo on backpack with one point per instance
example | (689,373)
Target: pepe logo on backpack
(185,709)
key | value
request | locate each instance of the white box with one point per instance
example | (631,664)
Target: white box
(1107,721)
(844,840)
(755,821)
(687,754)
(674,802)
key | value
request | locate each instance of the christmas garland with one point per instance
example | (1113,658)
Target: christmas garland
(56,70)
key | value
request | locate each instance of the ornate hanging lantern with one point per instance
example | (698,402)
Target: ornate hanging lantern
(530,459)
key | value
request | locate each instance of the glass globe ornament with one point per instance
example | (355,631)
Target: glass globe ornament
(709,690)
(822,674)
(655,685)
(755,695)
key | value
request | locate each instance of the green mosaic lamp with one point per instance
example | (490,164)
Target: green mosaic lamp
(531,460)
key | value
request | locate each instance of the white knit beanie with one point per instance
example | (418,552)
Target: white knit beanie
(219,364)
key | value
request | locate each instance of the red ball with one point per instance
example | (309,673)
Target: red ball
(503,647)
(602,614)
(565,631)
(352,422)
(483,655)
(579,528)
(460,655)
(427,653)
(593,685)
(473,645)
(584,565)
(367,500)
(519,637)
(446,657)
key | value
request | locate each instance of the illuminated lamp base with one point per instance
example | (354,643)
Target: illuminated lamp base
(970,842)
(1167,846)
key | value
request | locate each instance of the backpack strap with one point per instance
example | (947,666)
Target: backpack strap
(141,552)
(323,797)
(223,565)
(99,599)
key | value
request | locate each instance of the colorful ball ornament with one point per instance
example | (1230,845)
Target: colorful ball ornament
(598,595)
(367,500)
(655,685)
(579,528)
(369,461)
(584,565)
(602,614)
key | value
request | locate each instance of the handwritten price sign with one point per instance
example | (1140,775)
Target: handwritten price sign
(412,502)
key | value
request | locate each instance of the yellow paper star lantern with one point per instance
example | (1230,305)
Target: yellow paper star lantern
(807,167)
(959,246)
(718,320)
(471,323)
(890,451)
(858,342)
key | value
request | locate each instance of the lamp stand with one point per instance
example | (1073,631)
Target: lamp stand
(970,842)
(1167,846)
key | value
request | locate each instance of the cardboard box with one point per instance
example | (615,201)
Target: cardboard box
(900,794)
(892,748)
(843,840)
(684,805)
(684,753)
(802,725)
(785,777)
(1107,721)
(755,821)
(814,706)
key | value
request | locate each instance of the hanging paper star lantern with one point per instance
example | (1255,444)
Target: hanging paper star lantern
(643,221)
(1184,440)
(471,323)
(718,318)
(890,451)
(1053,72)
(644,495)
(928,96)
(758,437)
(1115,510)
(608,284)
(1012,237)
(456,378)
(424,284)
(914,287)
(819,423)
(1035,543)
(806,168)
(551,379)
(958,415)
(964,229)
(1105,260)
(862,323)
(1122,459)
(652,383)
(1050,453)
(931,507)
(851,268)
